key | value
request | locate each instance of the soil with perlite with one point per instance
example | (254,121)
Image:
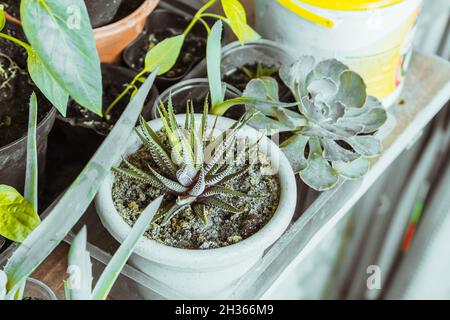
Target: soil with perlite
(185,230)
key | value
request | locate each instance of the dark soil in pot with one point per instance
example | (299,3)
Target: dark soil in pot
(12,7)
(185,230)
(161,25)
(16,87)
(102,12)
(239,78)
(75,139)
(115,79)
(15,91)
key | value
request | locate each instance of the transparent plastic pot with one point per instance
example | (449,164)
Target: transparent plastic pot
(195,90)
(37,290)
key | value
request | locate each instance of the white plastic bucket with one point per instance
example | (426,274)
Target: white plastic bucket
(374,38)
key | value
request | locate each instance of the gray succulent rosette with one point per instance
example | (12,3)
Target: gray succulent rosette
(333,125)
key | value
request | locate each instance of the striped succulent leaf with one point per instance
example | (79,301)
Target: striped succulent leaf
(191,167)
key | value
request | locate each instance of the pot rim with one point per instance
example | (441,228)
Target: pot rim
(116,27)
(184,83)
(236,46)
(51,114)
(197,258)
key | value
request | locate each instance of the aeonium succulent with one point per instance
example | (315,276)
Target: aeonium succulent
(332,128)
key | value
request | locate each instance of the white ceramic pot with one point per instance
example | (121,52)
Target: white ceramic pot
(204,274)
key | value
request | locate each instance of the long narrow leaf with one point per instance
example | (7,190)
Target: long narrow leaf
(213,57)
(80,267)
(31,178)
(115,266)
(44,239)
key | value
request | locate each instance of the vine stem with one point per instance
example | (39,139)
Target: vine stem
(16,41)
(198,16)
(127,89)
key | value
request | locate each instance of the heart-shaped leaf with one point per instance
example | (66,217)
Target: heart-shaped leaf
(17,216)
(164,55)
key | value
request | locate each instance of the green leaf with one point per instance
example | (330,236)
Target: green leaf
(165,54)
(80,269)
(352,170)
(17,216)
(294,149)
(64,41)
(352,90)
(46,83)
(319,174)
(115,266)
(367,146)
(2,17)
(69,209)
(3,282)
(237,20)
(31,179)
(214,56)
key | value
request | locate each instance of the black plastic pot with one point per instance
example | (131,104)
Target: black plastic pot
(163,20)
(102,12)
(13,156)
(85,135)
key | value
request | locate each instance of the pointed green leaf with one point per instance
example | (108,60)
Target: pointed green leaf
(31,178)
(214,56)
(237,20)
(61,34)
(164,54)
(45,81)
(79,268)
(120,258)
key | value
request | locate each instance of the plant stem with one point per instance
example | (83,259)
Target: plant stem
(198,16)
(215,16)
(127,89)
(16,41)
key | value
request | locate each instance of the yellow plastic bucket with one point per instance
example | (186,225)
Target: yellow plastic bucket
(373,37)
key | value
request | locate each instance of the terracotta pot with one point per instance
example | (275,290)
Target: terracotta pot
(112,39)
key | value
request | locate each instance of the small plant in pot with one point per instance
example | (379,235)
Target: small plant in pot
(331,134)
(20,221)
(218,207)
(32,65)
(255,60)
(165,54)
(162,25)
